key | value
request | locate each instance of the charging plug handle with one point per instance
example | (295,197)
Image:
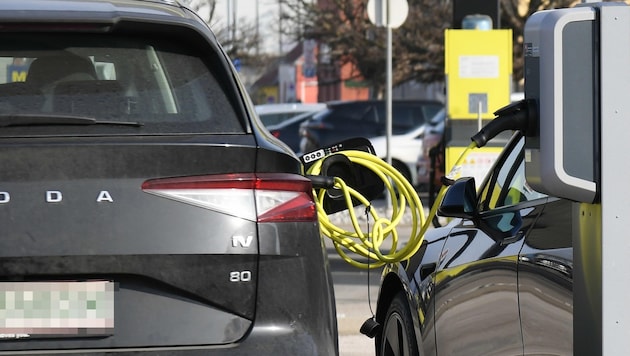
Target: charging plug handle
(518,116)
(321,182)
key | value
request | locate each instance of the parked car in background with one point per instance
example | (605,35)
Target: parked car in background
(288,131)
(430,161)
(497,280)
(365,118)
(404,148)
(517,96)
(273,114)
(144,209)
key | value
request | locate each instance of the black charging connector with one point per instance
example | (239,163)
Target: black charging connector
(321,182)
(360,178)
(518,116)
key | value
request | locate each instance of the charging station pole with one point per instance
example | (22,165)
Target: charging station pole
(577,70)
(615,42)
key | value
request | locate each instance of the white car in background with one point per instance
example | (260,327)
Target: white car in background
(432,138)
(273,114)
(404,148)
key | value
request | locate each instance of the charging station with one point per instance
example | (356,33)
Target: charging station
(577,71)
(478,68)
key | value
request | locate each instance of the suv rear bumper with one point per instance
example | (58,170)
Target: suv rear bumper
(294,316)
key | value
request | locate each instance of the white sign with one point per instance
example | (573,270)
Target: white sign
(387,13)
(479,66)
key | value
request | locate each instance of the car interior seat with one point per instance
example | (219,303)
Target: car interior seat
(46,72)
(89,97)
(50,69)
(19,97)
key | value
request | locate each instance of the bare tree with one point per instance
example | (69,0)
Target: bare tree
(419,42)
(239,37)
(204,8)
(242,43)
(418,45)
(343,26)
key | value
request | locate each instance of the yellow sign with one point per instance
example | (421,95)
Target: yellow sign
(16,73)
(478,68)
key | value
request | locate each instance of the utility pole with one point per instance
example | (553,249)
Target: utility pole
(233,21)
(279,27)
(228,14)
(389,14)
(257,31)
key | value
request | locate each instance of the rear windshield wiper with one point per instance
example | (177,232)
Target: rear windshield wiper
(53,119)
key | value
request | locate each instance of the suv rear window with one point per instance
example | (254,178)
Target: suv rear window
(163,85)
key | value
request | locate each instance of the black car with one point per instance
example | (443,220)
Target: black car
(497,280)
(144,208)
(288,131)
(363,118)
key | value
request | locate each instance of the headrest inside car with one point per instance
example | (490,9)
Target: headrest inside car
(48,70)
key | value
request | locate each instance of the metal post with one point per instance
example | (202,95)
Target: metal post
(257,30)
(479,112)
(615,192)
(229,21)
(388,106)
(234,21)
(279,27)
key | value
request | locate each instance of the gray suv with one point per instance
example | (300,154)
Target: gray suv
(144,208)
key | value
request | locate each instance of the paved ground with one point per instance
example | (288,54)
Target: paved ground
(353,300)
(355,345)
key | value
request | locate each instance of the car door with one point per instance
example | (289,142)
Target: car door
(545,278)
(476,305)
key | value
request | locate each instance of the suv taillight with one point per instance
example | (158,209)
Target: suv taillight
(262,197)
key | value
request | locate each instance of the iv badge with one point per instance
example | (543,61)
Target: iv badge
(242,241)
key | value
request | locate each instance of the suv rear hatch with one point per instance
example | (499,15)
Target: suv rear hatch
(129,193)
(89,227)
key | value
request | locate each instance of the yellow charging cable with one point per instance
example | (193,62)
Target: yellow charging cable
(380,245)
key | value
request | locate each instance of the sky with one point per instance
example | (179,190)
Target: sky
(247,10)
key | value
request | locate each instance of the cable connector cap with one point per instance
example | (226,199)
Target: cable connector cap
(370,328)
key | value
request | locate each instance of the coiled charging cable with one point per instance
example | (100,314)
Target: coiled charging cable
(380,245)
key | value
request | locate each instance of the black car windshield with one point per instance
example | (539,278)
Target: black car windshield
(165,86)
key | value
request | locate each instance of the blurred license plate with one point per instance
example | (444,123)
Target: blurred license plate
(56,309)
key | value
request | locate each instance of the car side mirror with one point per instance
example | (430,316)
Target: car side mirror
(460,200)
